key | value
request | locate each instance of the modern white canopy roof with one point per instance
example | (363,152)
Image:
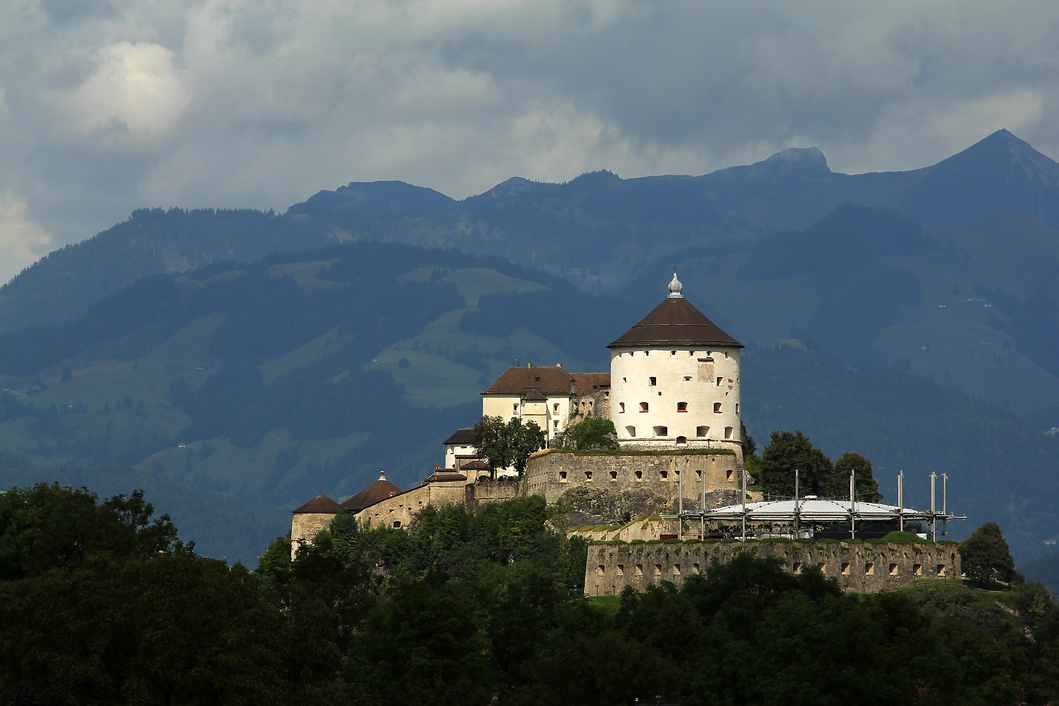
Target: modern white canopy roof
(815,510)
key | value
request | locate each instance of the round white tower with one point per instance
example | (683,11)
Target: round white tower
(675,380)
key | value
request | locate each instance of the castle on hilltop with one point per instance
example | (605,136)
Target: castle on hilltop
(673,394)
(673,388)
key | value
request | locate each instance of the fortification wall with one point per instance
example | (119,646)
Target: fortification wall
(553,472)
(486,491)
(862,567)
(399,510)
(305,526)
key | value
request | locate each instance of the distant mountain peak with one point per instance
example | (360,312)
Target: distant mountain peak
(1005,150)
(799,161)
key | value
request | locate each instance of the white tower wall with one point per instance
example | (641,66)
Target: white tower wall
(692,396)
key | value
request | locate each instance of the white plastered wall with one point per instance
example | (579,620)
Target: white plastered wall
(664,378)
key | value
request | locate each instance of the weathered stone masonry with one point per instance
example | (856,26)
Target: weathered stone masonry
(552,472)
(862,567)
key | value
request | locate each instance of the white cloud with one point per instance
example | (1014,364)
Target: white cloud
(21,240)
(134,94)
(260,104)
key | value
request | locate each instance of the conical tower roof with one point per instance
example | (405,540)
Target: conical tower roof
(320,505)
(376,492)
(675,322)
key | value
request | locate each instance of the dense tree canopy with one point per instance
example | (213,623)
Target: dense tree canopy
(460,607)
(506,445)
(789,452)
(595,433)
(985,555)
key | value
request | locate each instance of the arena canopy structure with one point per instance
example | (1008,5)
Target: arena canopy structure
(811,516)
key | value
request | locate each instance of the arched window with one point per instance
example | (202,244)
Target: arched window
(661,431)
(702,432)
(682,441)
(631,431)
(682,407)
(728,432)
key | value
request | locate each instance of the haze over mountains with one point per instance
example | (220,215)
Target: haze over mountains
(298,353)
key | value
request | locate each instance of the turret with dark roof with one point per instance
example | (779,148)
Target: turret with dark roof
(675,322)
(376,492)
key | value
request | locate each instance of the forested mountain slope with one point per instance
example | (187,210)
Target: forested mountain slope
(310,372)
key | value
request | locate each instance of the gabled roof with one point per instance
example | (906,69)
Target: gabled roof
(535,395)
(374,493)
(320,505)
(550,381)
(444,475)
(462,437)
(675,322)
(590,382)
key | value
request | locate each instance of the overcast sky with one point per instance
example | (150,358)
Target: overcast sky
(110,106)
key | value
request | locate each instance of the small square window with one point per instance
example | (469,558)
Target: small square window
(869,569)
(893,569)
(845,568)
(652,381)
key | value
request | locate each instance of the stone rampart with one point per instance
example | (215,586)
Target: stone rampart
(553,472)
(399,510)
(857,566)
(486,491)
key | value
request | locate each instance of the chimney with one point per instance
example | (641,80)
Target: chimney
(558,365)
(529,365)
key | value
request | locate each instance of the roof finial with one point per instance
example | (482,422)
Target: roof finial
(675,286)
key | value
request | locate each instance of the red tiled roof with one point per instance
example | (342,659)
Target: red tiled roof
(320,505)
(374,493)
(675,322)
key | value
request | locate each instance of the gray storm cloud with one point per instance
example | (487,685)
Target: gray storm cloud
(107,107)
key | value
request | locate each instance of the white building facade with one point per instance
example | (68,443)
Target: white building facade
(675,380)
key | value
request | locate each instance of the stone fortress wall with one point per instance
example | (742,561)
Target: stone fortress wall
(551,473)
(857,566)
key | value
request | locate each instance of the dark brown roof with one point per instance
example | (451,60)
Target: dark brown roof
(320,505)
(535,395)
(590,382)
(675,322)
(444,475)
(374,493)
(476,465)
(462,437)
(519,381)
